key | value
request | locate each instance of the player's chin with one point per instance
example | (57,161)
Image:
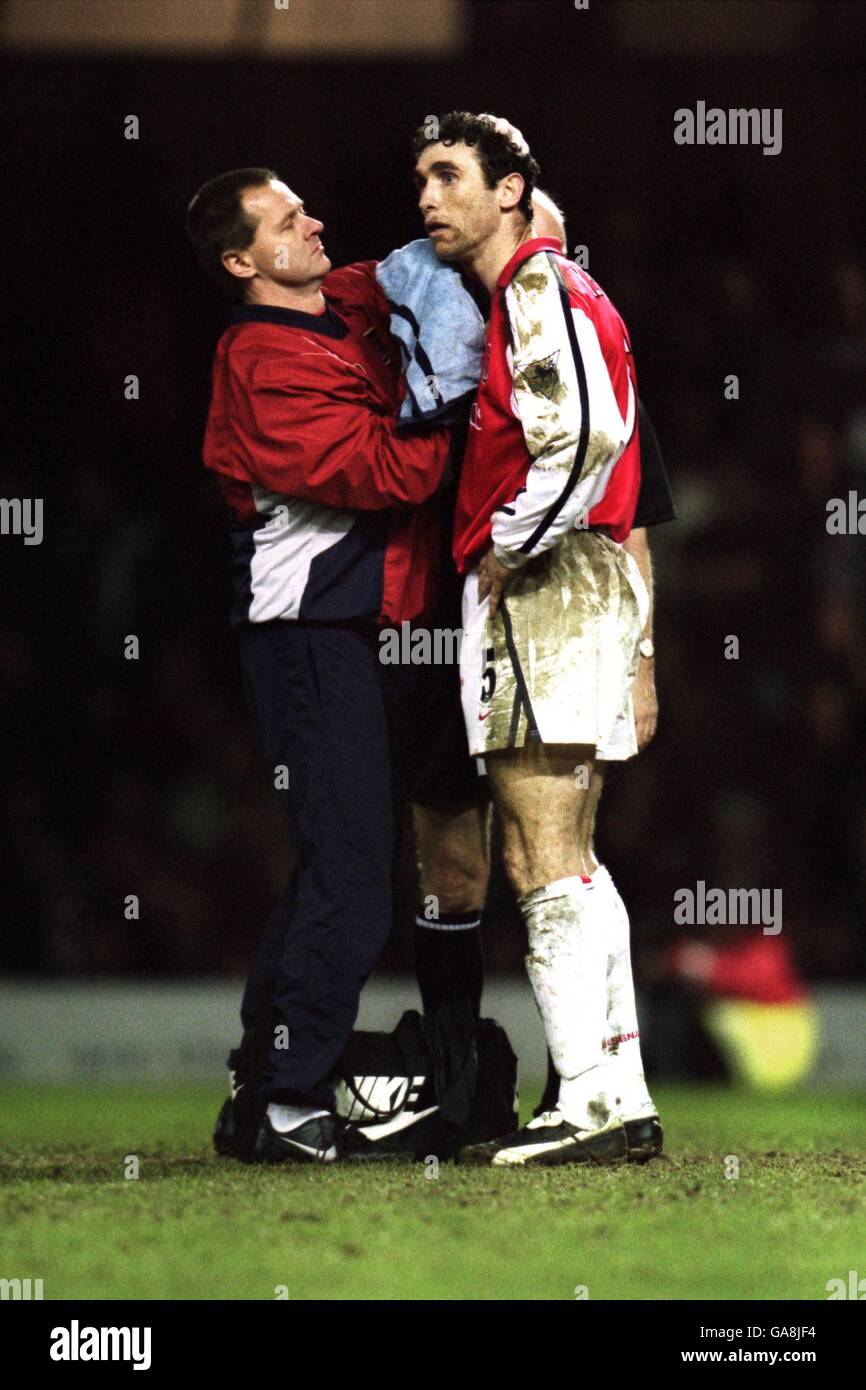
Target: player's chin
(445,253)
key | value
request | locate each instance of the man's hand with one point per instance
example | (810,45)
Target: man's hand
(492,579)
(646,705)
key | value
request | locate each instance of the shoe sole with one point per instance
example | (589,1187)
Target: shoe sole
(602,1151)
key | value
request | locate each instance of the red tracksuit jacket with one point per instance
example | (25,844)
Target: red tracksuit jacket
(327,497)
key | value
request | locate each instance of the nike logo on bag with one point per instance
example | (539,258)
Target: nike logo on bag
(482,717)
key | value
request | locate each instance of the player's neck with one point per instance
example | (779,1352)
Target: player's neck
(307,299)
(490,259)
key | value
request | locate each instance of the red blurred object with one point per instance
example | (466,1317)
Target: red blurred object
(759,968)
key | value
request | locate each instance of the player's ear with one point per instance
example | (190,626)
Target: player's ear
(510,191)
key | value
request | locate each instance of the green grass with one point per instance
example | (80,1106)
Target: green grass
(195,1227)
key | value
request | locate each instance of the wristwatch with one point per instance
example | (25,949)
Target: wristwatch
(646,647)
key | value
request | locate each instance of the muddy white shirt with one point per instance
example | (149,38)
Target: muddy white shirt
(553,443)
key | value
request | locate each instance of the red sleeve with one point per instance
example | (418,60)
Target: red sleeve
(354,287)
(309,430)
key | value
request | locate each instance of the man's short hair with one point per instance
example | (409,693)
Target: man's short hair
(500,147)
(216,222)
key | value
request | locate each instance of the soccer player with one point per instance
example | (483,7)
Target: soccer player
(654,505)
(334,536)
(553,608)
(452,836)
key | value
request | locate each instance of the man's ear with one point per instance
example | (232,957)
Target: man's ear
(510,191)
(238,263)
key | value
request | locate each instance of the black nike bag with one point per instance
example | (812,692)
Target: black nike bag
(434,1084)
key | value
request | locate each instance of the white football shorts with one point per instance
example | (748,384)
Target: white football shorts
(557,663)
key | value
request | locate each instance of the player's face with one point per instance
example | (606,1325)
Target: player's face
(460,212)
(286,249)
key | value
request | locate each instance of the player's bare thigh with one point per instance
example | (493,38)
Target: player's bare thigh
(547,807)
(453,856)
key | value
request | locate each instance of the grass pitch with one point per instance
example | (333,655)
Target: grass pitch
(192,1226)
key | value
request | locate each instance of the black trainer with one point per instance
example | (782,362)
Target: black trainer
(644,1138)
(549,1140)
(241,1115)
(224,1135)
(314,1141)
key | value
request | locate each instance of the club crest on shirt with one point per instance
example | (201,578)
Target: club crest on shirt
(542,377)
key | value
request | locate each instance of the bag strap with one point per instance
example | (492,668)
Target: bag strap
(450,1034)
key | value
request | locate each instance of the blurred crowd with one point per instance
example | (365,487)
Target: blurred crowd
(144,837)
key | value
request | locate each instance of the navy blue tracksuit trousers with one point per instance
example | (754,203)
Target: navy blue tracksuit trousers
(328,711)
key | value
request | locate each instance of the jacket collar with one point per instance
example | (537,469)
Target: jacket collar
(329,324)
(529,248)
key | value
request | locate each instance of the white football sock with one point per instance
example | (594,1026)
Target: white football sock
(285,1118)
(567,967)
(622,1035)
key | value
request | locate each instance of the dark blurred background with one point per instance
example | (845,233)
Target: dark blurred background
(142,776)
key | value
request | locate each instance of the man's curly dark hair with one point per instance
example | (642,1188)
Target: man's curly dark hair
(501,148)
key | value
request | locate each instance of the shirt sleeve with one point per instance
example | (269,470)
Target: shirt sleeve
(565,400)
(308,429)
(355,287)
